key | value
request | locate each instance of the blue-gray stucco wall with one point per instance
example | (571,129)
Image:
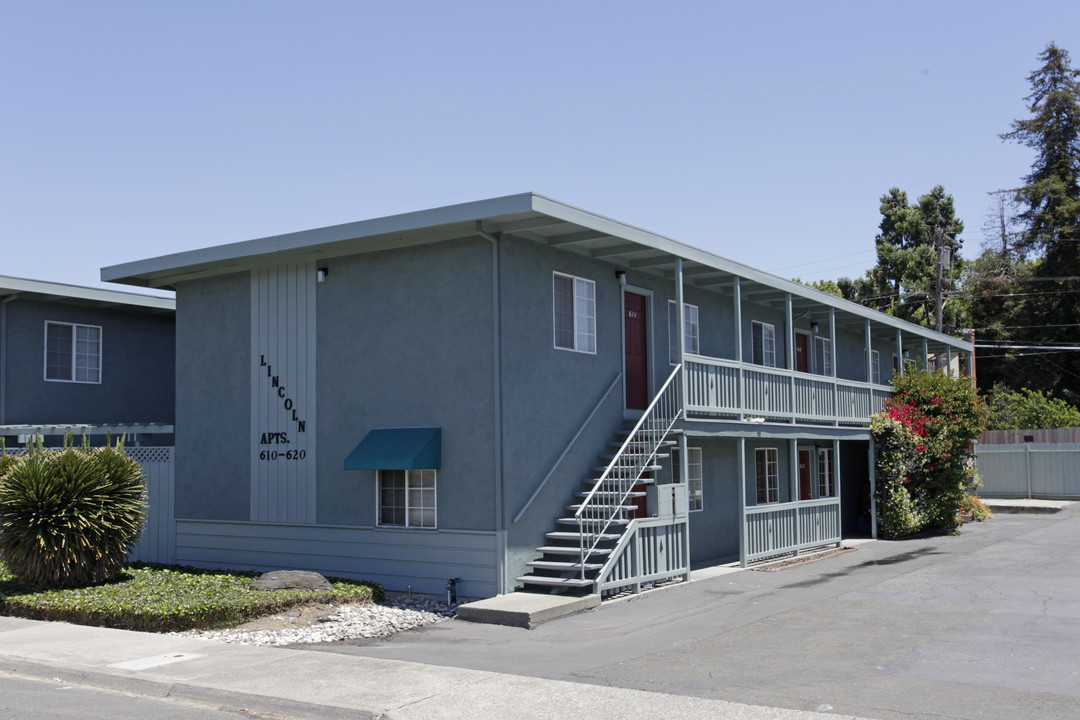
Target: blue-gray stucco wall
(137,367)
(213,404)
(405,339)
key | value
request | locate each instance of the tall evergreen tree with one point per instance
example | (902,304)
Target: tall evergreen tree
(903,281)
(1049,222)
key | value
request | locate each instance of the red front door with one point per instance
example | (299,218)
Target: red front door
(805,457)
(801,353)
(637,352)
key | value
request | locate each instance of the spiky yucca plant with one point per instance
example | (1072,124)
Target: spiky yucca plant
(69,517)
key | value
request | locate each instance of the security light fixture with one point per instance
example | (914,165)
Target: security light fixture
(814,327)
(321,274)
(621,275)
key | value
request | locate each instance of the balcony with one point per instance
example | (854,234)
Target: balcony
(728,388)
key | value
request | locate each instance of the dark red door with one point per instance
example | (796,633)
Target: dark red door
(637,352)
(804,475)
(801,353)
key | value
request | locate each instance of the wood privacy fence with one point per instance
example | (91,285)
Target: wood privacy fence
(158,540)
(1046,466)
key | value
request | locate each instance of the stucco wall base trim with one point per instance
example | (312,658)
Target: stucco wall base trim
(399,559)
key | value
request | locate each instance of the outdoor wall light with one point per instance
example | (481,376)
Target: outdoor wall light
(621,275)
(814,327)
(321,274)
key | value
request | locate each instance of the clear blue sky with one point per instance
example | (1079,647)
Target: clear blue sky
(763,132)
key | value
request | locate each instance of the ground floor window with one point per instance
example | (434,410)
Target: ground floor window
(407,498)
(826,485)
(767,472)
(693,475)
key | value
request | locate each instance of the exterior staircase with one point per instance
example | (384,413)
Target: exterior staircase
(590,538)
(559,567)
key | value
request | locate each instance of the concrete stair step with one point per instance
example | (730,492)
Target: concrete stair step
(554,581)
(562,566)
(576,537)
(569,550)
(574,521)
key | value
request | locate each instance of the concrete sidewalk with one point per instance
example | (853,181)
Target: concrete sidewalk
(308,684)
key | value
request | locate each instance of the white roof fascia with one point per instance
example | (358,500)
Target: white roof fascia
(298,241)
(243,254)
(10,285)
(636,235)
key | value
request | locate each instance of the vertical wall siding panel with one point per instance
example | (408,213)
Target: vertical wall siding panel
(283,392)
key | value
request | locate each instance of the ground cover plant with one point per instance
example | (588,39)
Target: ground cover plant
(160,598)
(925,453)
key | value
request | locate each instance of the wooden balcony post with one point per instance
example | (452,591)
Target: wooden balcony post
(790,342)
(925,354)
(899,352)
(793,471)
(682,337)
(737,289)
(742,489)
(832,350)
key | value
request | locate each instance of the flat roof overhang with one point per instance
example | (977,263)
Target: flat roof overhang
(527,216)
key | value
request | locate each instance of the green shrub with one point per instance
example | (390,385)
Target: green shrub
(69,517)
(1026,409)
(925,456)
(976,508)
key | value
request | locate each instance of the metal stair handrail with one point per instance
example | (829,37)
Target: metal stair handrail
(625,469)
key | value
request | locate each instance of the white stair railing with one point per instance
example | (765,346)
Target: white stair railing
(603,504)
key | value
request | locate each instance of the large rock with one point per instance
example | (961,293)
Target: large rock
(291,580)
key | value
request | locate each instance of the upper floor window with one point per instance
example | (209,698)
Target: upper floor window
(72,352)
(875,367)
(764,344)
(767,474)
(694,475)
(823,355)
(690,327)
(575,313)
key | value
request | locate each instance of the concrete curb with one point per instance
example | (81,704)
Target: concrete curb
(248,702)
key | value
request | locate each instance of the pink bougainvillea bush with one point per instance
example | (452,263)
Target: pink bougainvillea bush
(925,454)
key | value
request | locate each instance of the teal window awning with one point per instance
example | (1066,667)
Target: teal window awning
(398,449)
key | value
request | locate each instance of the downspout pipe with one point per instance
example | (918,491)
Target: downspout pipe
(496,381)
(3,355)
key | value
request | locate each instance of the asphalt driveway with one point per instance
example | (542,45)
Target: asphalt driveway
(981,625)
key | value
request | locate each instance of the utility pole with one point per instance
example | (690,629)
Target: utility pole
(939,251)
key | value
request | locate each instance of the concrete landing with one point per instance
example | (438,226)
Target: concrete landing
(524,610)
(1024,505)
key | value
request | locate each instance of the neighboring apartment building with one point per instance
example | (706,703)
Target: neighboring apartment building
(73,356)
(420,397)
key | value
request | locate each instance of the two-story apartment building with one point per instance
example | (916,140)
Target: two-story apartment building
(514,392)
(84,358)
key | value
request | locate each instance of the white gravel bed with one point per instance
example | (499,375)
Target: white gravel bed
(345,622)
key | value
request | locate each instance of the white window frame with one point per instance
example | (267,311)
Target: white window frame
(826,472)
(410,476)
(74,366)
(582,318)
(875,367)
(769,460)
(694,477)
(822,355)
(691,329)
(767,350)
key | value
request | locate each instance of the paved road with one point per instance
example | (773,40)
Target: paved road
(981,625)
(34,699)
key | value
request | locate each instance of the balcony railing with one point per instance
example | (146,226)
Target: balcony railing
(729,388)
